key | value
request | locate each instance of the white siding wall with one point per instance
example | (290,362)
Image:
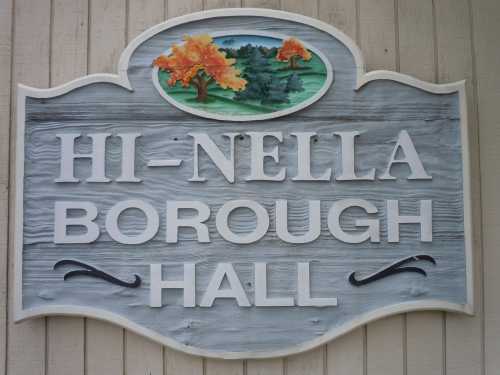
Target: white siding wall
(47,42)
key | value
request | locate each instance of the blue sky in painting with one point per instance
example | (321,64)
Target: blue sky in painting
(236,41)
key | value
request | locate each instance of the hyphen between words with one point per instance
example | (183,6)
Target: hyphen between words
(403,152)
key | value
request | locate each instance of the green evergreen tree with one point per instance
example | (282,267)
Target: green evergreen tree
(294,83)
(258,73)
(257,63)
(263,82)
(276,92)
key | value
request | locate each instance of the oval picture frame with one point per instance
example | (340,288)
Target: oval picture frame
(265,116)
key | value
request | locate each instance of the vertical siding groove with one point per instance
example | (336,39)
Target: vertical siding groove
(89,33)
(124,355)
(46,348)
(85,344)
(326,366)
(127,21)
(445,371)
(51,38)
(365,350)
(325,347)
(397,46)
(163,355)
(481,173)
(9,187)
(27,339)
(51,31)
(436,50)
(405,333)
(358,28)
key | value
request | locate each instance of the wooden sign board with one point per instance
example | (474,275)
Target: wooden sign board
(242,188)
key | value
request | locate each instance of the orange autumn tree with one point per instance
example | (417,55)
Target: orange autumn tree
(292,50)
(199,62)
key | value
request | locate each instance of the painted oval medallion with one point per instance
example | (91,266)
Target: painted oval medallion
(244,76)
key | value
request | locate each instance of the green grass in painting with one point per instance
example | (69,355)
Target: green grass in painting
(221,101)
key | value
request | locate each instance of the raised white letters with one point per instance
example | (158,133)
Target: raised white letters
(349,159)
(394,219)
(97,156)
(235,290)
(372,233)
(62,222)
(258,156)
(282,223)
(152,222)
(195,222)
(304,289)
(128,157)
(225,165)
(261,298)
(222,221)
(304,159)
(411,158)
(158,284)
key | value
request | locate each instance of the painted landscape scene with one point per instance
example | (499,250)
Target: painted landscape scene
(239,75)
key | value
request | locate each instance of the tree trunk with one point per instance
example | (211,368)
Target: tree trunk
(293,62)
(202,87)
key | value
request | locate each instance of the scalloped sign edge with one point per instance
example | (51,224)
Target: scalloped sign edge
(121,80)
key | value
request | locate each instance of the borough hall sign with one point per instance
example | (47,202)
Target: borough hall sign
(242,188)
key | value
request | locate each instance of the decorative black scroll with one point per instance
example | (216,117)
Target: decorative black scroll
(94,272)
(393,269)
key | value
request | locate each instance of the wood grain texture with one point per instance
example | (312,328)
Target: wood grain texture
(223,367)
(104,348)
(142,356)
(485,20)
(464,335)
(307,8)
(217,367)
(69,40)
(270,4)
(416,39)
(424,343)
(6,12)
(107,34)
(176,362)
(26,350)
(346,355)
(424,331)
(107,38)
(306,362)
(265,367)
(340,13)
(65,346)
(385,346)
(311,363)
(463,353)
(181,363)
(41,150)
(377,37)
(68,60)
(178,8)
(143,14)
(214,4)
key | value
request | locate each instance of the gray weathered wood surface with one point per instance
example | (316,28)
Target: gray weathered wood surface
(464,32)
(379,110)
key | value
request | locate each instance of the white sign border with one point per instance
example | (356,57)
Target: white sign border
(121,79)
